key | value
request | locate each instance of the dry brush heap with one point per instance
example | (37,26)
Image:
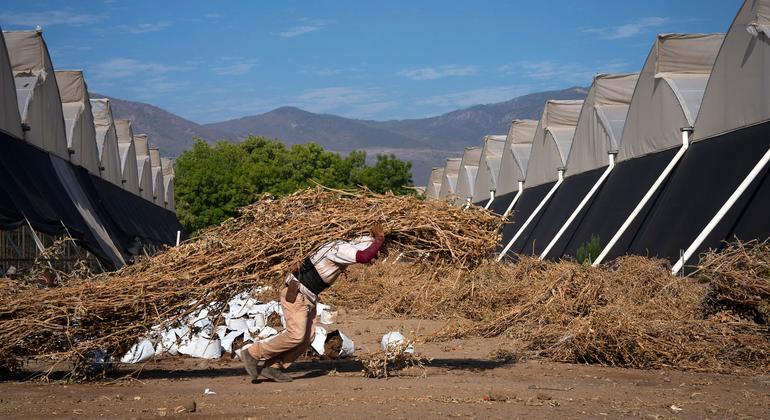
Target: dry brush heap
(631,313)
(255,249)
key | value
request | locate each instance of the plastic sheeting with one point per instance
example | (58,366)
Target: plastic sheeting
(449,182)
(760,18)
(10,121)
(466,178)
(34,189)
(552,141)
(601,122)
(78,120)
(598,129)
(106,141)
(665,101)
(134,216)
(168,188)
(516,153)
(433,188)
(128,163)
(85,207)
(168,183)
(144,167)
(489,167)
(158,184)
(144,173)
(738,92)
(686,53)
(37,93)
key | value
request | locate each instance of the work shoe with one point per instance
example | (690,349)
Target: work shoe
(276,375)
(251,364)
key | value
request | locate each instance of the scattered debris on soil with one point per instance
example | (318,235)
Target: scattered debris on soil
(505,355)
(112,311)
(384,364)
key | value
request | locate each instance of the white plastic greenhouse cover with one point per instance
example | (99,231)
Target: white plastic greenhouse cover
(10,121)
(737,94)
(144,172)
(433,188)
(144,168)
(668,94)
(158,189)
(601,122)
(552,141)
(36,92)
(142,145)
(489,167)
(449,181)
(106,141)
(466,178)
(128,165)
(168,183)
(78,119)
(513,165)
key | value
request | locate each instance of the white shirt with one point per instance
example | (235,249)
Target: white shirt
(332,259)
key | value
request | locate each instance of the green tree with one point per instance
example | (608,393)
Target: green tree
(388,174)
(213,181)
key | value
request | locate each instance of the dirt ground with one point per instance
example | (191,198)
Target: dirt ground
(462,380)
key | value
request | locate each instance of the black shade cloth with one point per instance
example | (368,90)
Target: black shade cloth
(501,203)
(94,211)
(613,203)
(529,200)
(133,215)
(558,209)
(33,186)
(707,175)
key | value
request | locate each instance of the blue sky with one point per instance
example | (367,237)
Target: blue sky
(211,61)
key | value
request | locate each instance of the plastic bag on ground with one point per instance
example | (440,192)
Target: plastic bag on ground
(141,351)
(393,339)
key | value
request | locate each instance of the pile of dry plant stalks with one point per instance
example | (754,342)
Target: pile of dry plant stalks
(632,313)
(740,279)
(111,311)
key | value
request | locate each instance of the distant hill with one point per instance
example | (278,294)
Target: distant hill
(293,126)
(171,133)
(427,142)
(466,127)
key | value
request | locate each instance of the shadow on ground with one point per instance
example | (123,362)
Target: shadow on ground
(311,369)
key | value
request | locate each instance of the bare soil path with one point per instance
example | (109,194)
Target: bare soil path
(461,381)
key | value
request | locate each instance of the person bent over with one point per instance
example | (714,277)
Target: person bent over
(298,301)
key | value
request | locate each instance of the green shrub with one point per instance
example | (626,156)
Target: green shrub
(587,252)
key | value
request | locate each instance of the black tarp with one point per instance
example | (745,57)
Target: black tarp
(707,175)
(134,215)
(559,208)
(613,203)
(10,217)
(32,185)
(528,202)
(501,203)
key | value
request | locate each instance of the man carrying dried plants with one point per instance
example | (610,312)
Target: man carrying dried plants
(298,300)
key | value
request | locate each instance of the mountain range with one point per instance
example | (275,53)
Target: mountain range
(427,142)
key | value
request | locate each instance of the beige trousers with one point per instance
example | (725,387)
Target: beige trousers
(292,342)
